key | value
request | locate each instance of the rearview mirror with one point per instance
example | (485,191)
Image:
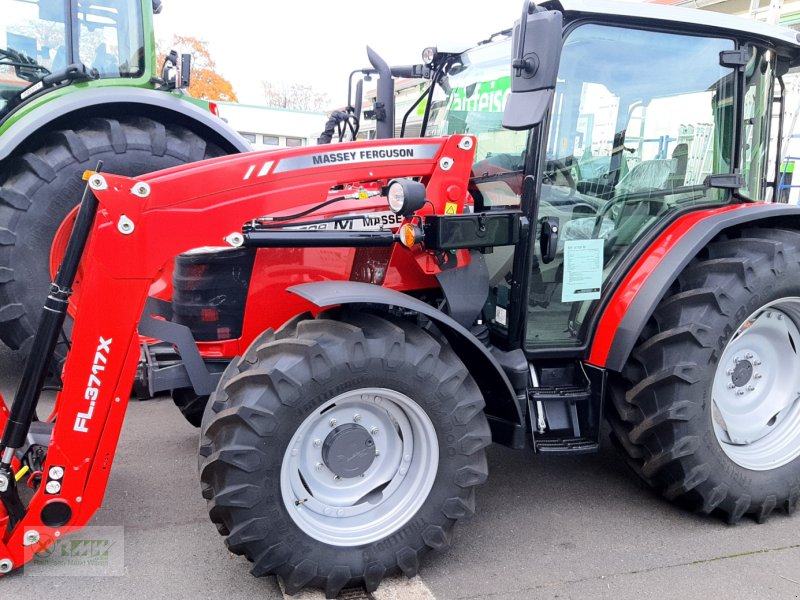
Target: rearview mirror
(534,66)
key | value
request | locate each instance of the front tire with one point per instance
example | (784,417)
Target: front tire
(342,449)
(707,408)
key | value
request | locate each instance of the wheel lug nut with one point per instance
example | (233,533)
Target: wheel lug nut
(332,422)
(374,431)
(750,388)
(356,418)
(336,478)
(757,376)
(749,355)
(317,443)
(779,316)
(737,360)
(740,392)
(729,372)
(731,386)
(377,452)
(319,466)
(757,362)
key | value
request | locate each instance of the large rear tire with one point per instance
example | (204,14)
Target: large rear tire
(707,409)
(342,449)
(43,185)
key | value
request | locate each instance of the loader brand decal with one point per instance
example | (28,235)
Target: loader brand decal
(93,385)
(376,153)
(362,222)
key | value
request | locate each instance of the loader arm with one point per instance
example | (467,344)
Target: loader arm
(142,223)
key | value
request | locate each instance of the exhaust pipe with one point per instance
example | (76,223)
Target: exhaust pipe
(384,104)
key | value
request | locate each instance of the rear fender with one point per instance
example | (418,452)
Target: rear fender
(635,300)
(505,416)
(109,101)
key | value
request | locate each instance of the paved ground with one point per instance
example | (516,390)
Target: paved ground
(581,528)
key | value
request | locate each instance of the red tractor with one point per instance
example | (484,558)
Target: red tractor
(579,240)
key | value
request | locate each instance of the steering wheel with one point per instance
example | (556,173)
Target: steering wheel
(564,167)
(615,202)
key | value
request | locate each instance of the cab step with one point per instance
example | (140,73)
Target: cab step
(567,445)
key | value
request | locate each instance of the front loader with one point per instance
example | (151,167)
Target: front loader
(580,241)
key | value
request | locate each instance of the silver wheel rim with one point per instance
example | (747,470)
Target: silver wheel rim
(756,389)
(350,511)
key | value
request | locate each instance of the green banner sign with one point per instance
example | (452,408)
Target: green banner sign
(484,96)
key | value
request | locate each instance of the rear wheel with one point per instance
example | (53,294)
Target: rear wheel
(342,449)
(708,407)
(43,185)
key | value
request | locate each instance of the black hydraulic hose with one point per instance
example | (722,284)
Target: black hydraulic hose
(48,331)
(50,326)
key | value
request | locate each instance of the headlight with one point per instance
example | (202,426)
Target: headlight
(405,196)
(428,55)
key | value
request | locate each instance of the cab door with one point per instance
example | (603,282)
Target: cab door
(639,119)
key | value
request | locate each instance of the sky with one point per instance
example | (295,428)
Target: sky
(320,43)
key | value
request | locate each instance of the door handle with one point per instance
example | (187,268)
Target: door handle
(548,238)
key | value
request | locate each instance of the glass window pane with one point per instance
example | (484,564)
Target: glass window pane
(271,140)
(477,92)
(294,142)
(640,119)
(32,44)
(757,115)
(111,38)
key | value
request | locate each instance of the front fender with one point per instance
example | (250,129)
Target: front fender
(505,416)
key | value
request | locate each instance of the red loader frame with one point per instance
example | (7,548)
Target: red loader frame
(140,225)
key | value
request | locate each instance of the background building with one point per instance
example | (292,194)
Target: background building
(266,127)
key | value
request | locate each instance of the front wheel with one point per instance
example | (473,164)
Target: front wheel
(708,407)
(342,449)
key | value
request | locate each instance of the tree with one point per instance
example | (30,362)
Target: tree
(206,82)
(294,95)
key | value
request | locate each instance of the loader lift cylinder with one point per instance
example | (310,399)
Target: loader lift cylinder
(44,342)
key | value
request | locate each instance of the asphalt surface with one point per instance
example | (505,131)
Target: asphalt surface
(577,527)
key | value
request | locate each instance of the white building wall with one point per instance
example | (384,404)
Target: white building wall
(266,127)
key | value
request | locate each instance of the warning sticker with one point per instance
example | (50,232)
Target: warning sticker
(450,208)
(583,270)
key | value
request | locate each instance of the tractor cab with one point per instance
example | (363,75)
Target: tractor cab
(641,118)
(48,43)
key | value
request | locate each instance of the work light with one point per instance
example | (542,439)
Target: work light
(405,196)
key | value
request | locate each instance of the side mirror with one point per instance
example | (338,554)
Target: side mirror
(534,66)
(186,71)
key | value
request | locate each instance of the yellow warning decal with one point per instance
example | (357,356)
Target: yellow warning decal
(87,174)
(450,208)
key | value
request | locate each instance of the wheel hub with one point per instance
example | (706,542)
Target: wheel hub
(742,373)
(348,450)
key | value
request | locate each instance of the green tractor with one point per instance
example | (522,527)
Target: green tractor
(79,83)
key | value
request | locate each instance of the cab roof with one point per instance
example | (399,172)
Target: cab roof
(722,23)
